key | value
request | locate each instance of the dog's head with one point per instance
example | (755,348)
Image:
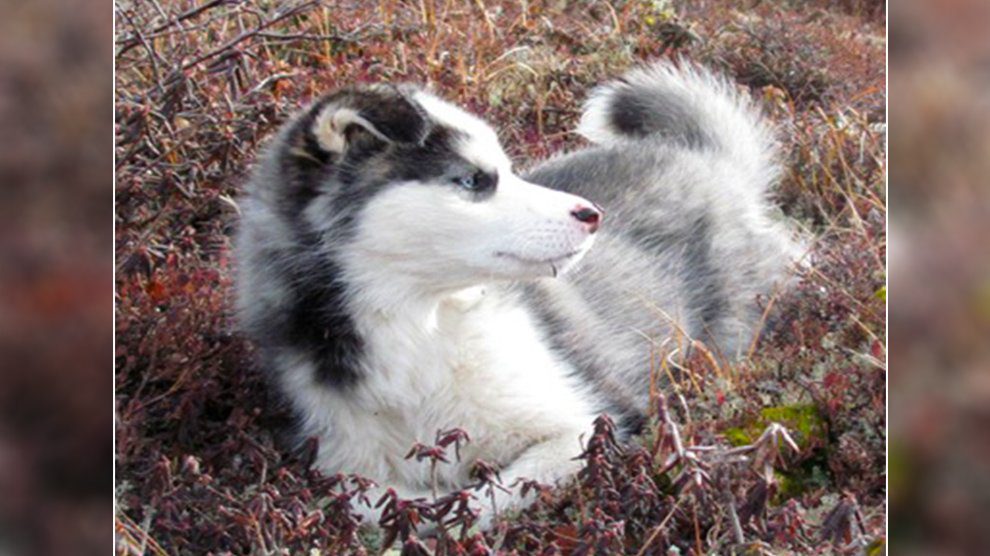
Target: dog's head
(426,190)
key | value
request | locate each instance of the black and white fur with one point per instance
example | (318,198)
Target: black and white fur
(399,278)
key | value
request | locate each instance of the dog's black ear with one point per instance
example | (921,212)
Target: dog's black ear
(367,118)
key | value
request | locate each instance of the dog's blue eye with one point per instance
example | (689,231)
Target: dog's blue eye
(478,183)
(467,182)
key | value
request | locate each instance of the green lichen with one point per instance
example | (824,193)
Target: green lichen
(802,420)
(807,428)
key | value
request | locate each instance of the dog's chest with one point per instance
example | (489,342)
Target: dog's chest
(480,365)
(469,346)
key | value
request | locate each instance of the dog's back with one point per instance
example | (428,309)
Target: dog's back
(681,165)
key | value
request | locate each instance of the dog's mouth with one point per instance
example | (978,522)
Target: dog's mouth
(555,263)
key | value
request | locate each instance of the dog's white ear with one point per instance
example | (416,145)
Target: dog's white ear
(373,116)
(336,126)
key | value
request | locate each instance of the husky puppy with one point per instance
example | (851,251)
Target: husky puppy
(400,278)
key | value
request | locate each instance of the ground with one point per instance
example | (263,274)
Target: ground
(200,86)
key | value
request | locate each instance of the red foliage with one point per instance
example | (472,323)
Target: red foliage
(199,464)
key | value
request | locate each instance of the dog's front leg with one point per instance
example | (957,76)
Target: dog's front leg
(552,461)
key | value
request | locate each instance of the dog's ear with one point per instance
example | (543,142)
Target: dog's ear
(367,118)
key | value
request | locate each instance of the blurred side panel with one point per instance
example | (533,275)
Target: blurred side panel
(939,465)
(55,277)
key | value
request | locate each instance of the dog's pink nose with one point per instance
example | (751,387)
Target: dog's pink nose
(587,215)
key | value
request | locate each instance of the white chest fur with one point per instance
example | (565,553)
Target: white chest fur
(471,361)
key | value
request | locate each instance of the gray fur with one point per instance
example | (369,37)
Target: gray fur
(689,233)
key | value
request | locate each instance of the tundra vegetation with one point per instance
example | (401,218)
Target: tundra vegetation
(782,452)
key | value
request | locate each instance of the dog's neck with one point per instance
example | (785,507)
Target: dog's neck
(405,301)
(410,334)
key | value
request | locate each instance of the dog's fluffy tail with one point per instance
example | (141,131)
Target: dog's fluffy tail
(686,105)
